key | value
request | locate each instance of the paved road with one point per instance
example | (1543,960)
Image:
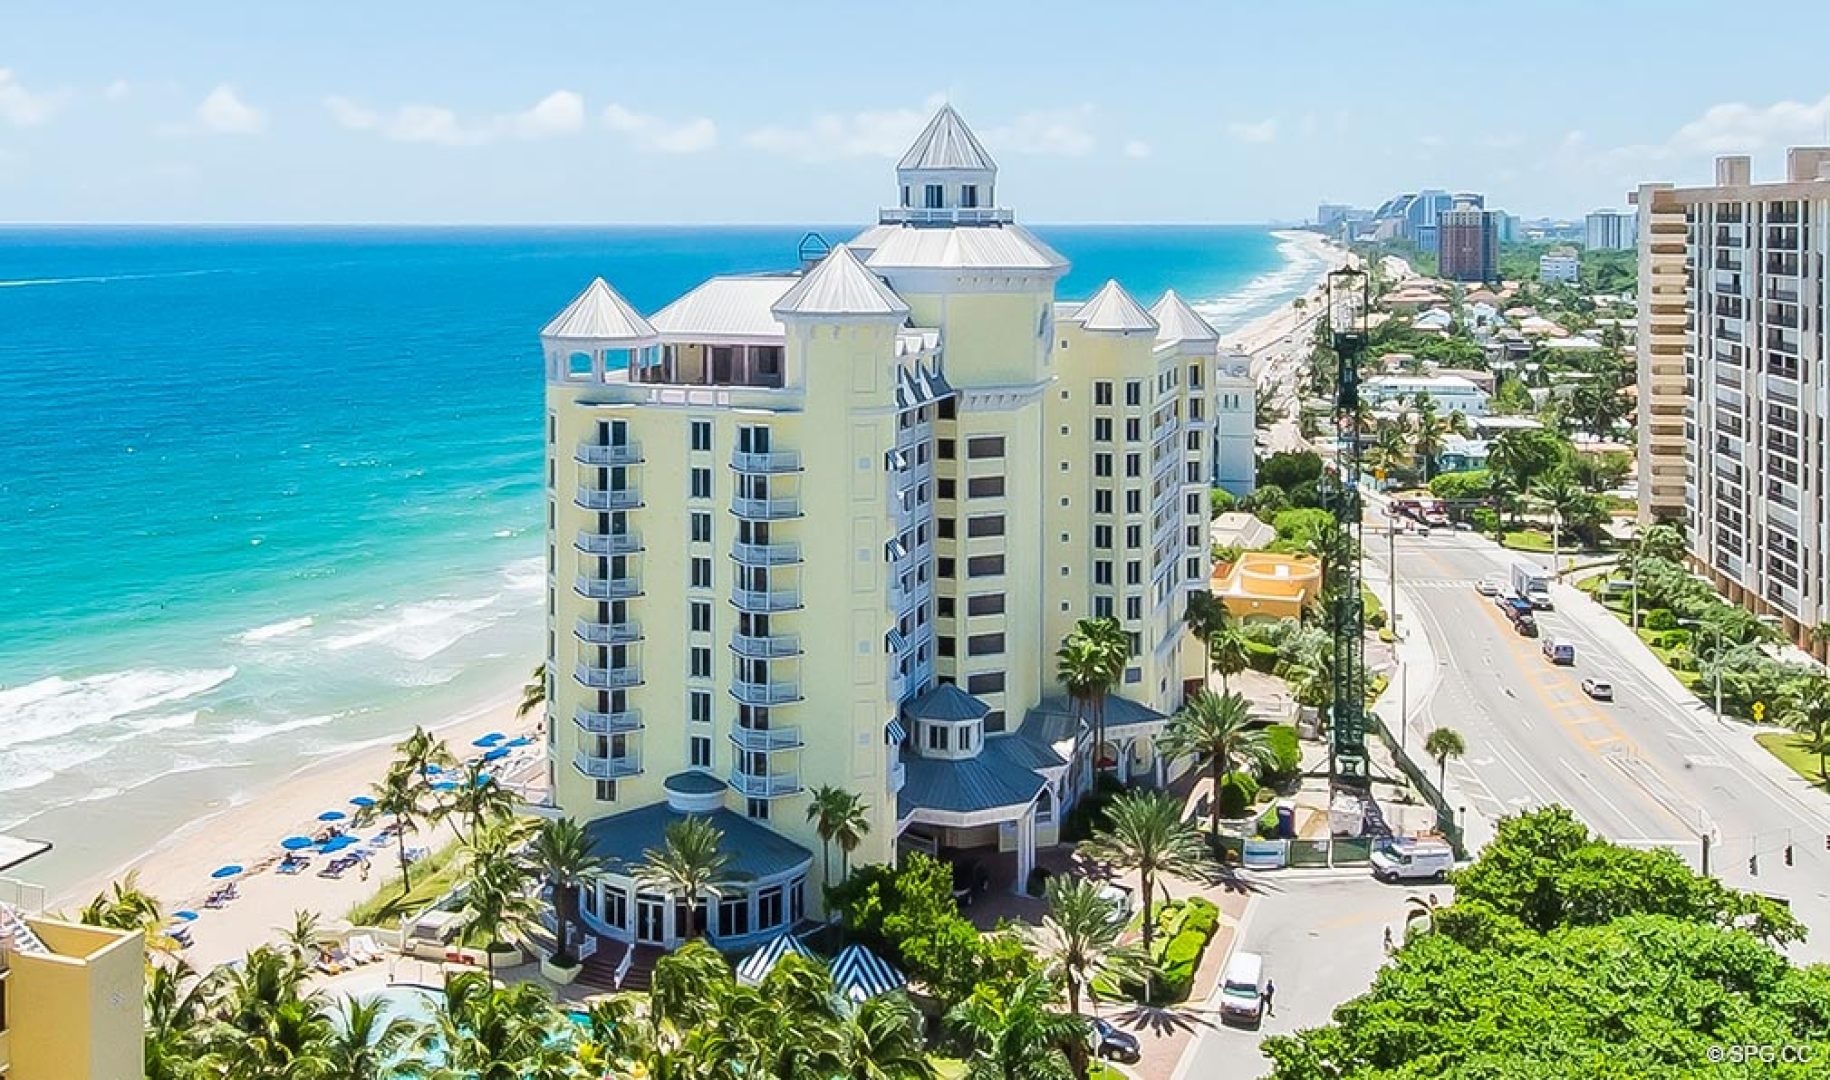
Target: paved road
(1322,940)
(1651,768)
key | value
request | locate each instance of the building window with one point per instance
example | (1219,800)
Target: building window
(1102,537)
(943,607)
(606,791)
(984,644)
(1102,572)
(1134,465)
(1134,429)
(1102,502)
(943,449)
(769,907)
(1102,393)
(985,525)
(905,194)
(985,487)
(1134,573)
(943,528)
(994,721)
(943,646)
(702,434)
(1102,429)
(985,604)
(1134,502)
(756,809)
(1102,607)
(700,660)
(969,195)
(701,572)
(944,487)
(734,916)
(616,908)
(702,616)
(987,682)
(937,737)
(980,447)
(985,566)
(943,567)
(1134,607)
(933,197)
(702,526)
(1045,807)
(1134,536)
(699,706)
(702,483)
(700,749)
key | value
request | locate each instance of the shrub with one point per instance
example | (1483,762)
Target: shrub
(1287,751)
(1484,520)
(1375,620)
(1184,948)
(1202,916)
(1660,619)
(1260,656)
(1267,824)
(1237,790)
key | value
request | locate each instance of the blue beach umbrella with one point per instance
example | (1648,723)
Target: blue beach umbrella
(363,801)
(332,815)
(445,785)
(519,740)
(497,754)
(432,770)
(226,871)
(337,843)
(296,843)
(490,739)
(185,914)
(484,778)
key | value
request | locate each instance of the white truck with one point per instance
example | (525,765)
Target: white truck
(1531,582)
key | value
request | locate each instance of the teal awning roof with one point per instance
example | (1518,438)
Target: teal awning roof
(756,851)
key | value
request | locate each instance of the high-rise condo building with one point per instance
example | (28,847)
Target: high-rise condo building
(1468,244)
(1733,390)
(1609,230)
(828,527)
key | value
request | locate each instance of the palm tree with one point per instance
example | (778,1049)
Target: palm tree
(1807,708)
(1423,910)
(686,986)
(366,1042)
(496,896)
(1564,496)
(1217,730)
(1016,1036)
(1207,619)
(689,863)
(533,695)
(1432,432)
(1227,654)
(478,798)
(1078,940)
(177,1008)
(423,749)
(838,815)
(1443,744)
(126,906)
(305,937)
(481,1032)
(1145,832)
(880,1039)
(1090,663)
(398,796)
(565,855)
(267,1026)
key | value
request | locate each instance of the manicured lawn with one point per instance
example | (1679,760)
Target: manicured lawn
(1790,748)
(433,876)
(1528,540)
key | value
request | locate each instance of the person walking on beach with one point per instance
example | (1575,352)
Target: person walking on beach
(1269,992)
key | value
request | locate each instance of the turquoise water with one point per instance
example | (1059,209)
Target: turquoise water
(270,493)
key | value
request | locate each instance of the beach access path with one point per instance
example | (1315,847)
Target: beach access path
(249,833)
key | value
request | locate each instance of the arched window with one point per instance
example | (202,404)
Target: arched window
(1045,807)
(578,366)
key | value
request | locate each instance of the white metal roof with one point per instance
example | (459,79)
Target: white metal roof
(980,247)
(599,314)
(1112,309)
(947,143)
(1176,321)
(728,309)
(840,285)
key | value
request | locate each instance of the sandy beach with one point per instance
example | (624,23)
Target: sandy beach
(178,870)
(1278,342)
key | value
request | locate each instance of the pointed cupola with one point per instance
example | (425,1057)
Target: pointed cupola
(597,333)
(1113,311)
(1177,323)
(947,169)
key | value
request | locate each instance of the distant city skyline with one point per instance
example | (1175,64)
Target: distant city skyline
(570,112)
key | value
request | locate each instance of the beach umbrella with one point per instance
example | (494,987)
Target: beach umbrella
(363,801)
(337,843)
(186,914)
(445,785)
(226,871)
(490,739)
(332,815)
(519,740)
(484,778)
(296,843)
(497,754)
(434,769)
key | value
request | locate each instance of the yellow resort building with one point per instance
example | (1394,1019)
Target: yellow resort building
(72,997)
(829,527)
(1264,586)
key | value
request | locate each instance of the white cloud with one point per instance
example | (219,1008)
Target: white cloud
(880,133)
(561,112)
(1059,132)
(653,133)
(1137,148)
(1738,128)
(1263,131)
(21,107)
(117,90)
(224,113)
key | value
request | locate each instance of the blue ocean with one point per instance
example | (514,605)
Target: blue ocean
(272,493)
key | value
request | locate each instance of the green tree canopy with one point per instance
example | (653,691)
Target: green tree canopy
(1288,468)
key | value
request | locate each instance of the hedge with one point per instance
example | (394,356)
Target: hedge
(1186,927)
(1260,656)
(1237,791)
(1287,751)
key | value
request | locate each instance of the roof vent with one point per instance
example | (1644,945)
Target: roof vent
(813,248)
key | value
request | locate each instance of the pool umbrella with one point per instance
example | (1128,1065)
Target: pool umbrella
(226,871)
(296,843)
(433,769)
(185,914)
(363,801)
(859,974)
(484,778)
(759,963)
(332,815)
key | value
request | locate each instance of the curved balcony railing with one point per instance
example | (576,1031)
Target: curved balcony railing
(614,588)
(947,215)
(777,553)
(608,723)
(608,498)
(774,693)
(767,739)
(775,508)
(608,768)
(761,602)
(776,461)
(607,678)
(610,633)
(766,646)
(623,543)
(775,786)
(596,454)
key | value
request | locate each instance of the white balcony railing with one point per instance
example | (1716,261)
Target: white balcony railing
(610,633)
(773,693)
(607,678)
(777,553)
(774,461)
(770,509)
(765,647)
(608,498)
(762,602)
(767,739)
(774,786)
(947,215)
(608,768)
(608,723)
(623,543)
(595,454)
(613,588)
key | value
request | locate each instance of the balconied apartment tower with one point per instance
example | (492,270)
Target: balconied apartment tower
(1733,388)
(829,526)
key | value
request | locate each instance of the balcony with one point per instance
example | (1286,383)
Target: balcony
(899,775)
(600,633)
(946,215)
(613,588)
(778,461)
(777,508)
(774,553)
(1782,390)
(623,543)
(599,454)
(765,647)
(610,678)
(776,786)
(608,723)
(767,739)
(608,498)
(763,602)
(608,768)
(772,693)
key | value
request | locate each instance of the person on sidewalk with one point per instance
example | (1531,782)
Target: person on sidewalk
(1270,991)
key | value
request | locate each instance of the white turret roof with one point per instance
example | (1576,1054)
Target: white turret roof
(599,314)
(947,143)
(840,285)
(1112,309)
(1176,321)
(999,247)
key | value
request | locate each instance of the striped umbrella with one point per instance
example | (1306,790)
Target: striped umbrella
(859,974)
(757,965)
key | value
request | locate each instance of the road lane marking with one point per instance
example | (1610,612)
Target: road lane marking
(1605,801)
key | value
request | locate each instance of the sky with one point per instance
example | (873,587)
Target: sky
(794,111)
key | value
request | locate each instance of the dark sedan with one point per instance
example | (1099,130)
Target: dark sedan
(1115,1044)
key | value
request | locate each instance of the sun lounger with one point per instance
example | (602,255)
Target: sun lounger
(364,950)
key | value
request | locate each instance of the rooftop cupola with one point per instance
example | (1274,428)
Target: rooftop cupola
(597,333)
(946,178)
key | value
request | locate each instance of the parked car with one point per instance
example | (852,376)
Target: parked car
(1599,689)
(1115,1044)
(1242,989)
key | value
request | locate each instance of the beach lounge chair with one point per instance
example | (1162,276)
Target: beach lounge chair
(364,950)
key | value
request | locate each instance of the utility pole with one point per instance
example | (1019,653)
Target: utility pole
(1705,836)
(1349,766)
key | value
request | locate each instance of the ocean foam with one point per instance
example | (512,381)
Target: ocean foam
(423,630)
(284,628)
(1304,265)
(243,736)
(54,707)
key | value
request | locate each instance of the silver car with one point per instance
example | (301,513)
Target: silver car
(1599,689)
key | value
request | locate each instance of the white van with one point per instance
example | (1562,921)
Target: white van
(1242,990)
(1408,859)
